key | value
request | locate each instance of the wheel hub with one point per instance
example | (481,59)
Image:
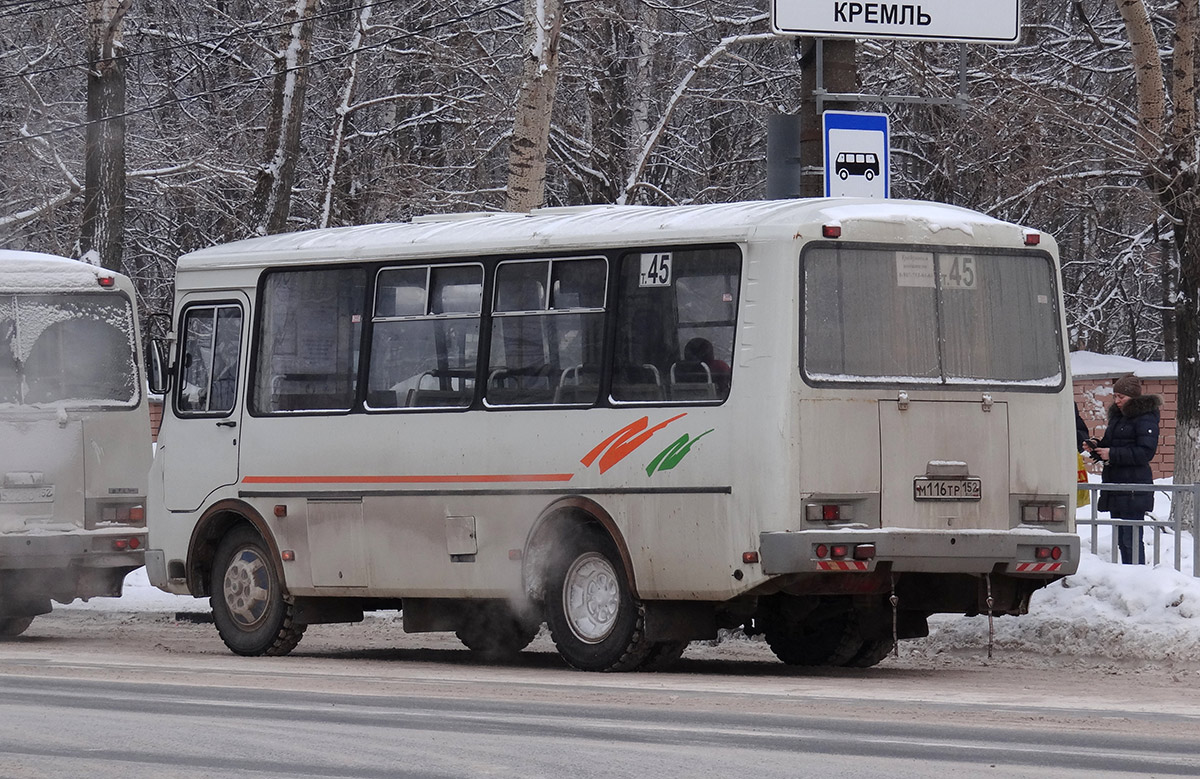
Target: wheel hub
(592,598)
(247,588)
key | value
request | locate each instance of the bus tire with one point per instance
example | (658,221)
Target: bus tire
(594,620)
(496,630)
(663,655)
(251,612)
(11,627)
(843,174)
(826,635)
(871,653)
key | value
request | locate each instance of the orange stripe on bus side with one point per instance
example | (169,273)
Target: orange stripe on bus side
(501,478)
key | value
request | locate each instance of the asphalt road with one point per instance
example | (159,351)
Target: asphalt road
(118,695)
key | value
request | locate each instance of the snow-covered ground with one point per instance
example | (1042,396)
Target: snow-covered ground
(1148,613)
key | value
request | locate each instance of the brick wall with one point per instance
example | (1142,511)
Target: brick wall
(1094,396)
(156,408)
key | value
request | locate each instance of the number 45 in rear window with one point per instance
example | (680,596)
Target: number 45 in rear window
(957,271)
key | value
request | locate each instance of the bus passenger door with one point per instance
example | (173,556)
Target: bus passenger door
(199,444)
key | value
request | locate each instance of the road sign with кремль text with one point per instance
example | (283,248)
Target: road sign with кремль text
(964,21)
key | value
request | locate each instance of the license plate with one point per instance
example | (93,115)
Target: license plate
(42,494)
(969,488)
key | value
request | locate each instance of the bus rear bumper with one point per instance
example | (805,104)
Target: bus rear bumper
(86,549)
(1020,552)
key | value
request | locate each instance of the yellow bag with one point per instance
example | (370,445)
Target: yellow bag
(1082,497)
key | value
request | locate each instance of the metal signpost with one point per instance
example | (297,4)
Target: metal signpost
(963,21)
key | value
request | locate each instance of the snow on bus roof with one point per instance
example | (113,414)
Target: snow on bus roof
(32,271)
(561,228)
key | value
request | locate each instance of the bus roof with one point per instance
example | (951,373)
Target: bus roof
(582,227)
(34,271)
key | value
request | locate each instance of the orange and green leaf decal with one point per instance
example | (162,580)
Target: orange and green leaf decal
(670,457)
(622,443)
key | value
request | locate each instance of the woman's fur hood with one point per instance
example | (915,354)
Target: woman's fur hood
(1142,404)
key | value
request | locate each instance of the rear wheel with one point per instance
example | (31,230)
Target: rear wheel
(800,632)
(496,630)
(872,652)
(14,626)
(249,607)
(594,620)
(663,655)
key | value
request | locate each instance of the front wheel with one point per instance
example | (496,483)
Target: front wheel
(594,620)
(10,627)
(249,608)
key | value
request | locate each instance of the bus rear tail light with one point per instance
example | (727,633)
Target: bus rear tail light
(1048,553)
(108,282)
(829,512)
(843,551)
(831,231)
(125,515)
(127,544)
(1043,512)
(1032,238)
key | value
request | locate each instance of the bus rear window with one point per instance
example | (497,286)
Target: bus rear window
(923,316)
(74,350)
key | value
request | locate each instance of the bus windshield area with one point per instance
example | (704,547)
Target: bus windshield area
(925,316)
(74,350)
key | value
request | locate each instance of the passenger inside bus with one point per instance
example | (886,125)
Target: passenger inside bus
(700,372)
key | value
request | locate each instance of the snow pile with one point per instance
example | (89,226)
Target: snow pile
(1105,611)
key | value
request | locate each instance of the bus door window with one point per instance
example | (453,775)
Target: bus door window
(210,356)
(308,340)
(425,337)
(676,325)
(547,332)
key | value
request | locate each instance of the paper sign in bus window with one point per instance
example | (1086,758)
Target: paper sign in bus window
(656,270)
(914,269)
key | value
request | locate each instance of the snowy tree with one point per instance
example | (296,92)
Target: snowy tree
(534,105)
(273,191)
(1168,142)
(102,233)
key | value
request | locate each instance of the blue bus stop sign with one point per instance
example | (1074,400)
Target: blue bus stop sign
(857,147)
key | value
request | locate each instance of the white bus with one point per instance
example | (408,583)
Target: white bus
(74,435)
(823,420)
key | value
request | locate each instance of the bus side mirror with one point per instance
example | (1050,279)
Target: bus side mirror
(158,375)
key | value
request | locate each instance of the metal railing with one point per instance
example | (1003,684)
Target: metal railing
(1158,525)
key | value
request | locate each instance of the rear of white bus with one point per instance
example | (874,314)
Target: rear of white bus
(934,461)
(74,436)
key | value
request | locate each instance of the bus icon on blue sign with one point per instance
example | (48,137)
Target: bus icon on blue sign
(864,164)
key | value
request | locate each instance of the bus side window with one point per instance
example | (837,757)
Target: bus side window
(675,340)
(425,337)
(547,332)
(308,340)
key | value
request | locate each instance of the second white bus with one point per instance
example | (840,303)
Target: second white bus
(822,420)
(74,435)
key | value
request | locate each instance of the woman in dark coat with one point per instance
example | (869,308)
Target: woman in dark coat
(1127,448)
